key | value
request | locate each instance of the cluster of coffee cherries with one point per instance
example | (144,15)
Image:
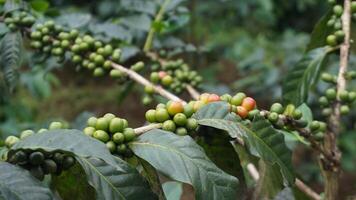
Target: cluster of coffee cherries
(242,105)
(335,22)
(41,163)
(113,131)
(11,140)
(17,20)
(38,162)
(84,50)
(175,75)
(347,98)
(174,116)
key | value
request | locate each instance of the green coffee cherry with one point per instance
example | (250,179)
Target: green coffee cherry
(314,126)
(98,72)
(273,117)
(92,121)
(322,127)
(169,125)
(340,35)
(146,100)
(89,131)
(180,119)
(116,73)
(323,101)
(129,134)
(181,131)
(226,97)
(344,95)
(42,130)
(344,109)
(277,108)
(102,124)
(111,146)
(238,98)
(101,135)
(297,114)
(151,116)
(161,115)
(331,40)
(109,116)
(55,125)
(327,77)
(116,125)
(118,138)
(337,9)
(188,110)
(353,6)
(138,66)
(352,97)
(26,133)
(11,140)
(330,94)
(121,148)
(167,80)
(326,112)
(154,77)
(192,124)
(149,89)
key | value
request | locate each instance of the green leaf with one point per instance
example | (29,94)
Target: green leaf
(140,22)
(71,141)
(307,113)
(39,5)
(267,143)
(152,177)
(119,181)
(303,76)
(270,182)
(18,184)
(181,159)
(320,32)
(10,58)
(218,115)
(74,20)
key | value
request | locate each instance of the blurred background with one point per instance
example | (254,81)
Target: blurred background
(236,45)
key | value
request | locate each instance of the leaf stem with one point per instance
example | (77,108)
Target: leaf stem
(152,30)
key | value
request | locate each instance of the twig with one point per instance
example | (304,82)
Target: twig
(307,190)
(143,129)
(252,170)
(193,93)
(141,80)
(152,30)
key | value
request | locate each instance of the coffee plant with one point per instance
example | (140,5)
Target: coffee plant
(119,161)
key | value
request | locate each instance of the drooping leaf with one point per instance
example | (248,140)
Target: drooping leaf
(18,184)
(10,58)
(140,22)
(303,76)
(74,20)
(181,159)
(320,32)
(270,182)
(218,115)
(265,142)
(152,177)
(112,182)
(71,141)
(39,5)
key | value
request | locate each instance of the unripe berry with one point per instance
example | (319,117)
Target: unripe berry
(89,131)
(109,116)
(42,130)
(154,77)
(161,115)
(344,95)
(241,111)
(167,80)
(297,114)
(161,105)
(344,109)
(322,127)
(180,119)
(11,140)
(107,64)
(337,9)
(273,117)
(149,89)
(175,107)
(327,77)
(237,99)
(115,73)
(99,60)
(91,65)
(192,124)
(188,110)
(73,33)
(111,146)
(107,50)
(101,135)
(92,121)
(118,138)
(248,103)
(55,125)
(253,113)
(331,2)
(138,66)
(277,108)
(36,35)
(129,134)
(352,97)
(323,101)
(181,131)
(147,100)
(65,44)
(314,126)
(353,6)
(102,124)
(197,105)
(76,59)
(26,133)
(331,40)
(340,35)
(330,94)
(98,72)
(150,116)
(226,97)
(326,112)
(169,125)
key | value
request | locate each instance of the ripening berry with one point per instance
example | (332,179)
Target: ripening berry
(151,115)
(344,109)
(213,98)
(277,108)
(175,107)
(241,111)
(161,115)
(238,98)
(204,97)
(337,9)
(169,125)
(197,105)
(248,103)
(331,40)
(101,135)
(180,119)
(162,74)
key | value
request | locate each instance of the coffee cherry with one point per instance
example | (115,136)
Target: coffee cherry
(188,110)
(301,123)
(111,146)
(167,80)
(102,124)
(42,130)
(147,100)
(337,9)
(175,107)
(344,109)
(26,133)
(92,121)
(331,40)
(252,114)
(314,126)
(116,125)
(161,115)
(192,124)
(49,166)
(11,140)
(340,35)
(149,89)
(330,94)
(277,108)
(226,97)
(169,125)
(323,101)
(322,126)
(213,98)
(331,2)
(204,98)
(89,131)
(118,138)
(237,99)
(297,114)
(129,134)
(327,77)
(55,125)
(181,131)
(273,117)
(241,111)
(37,172)
(68,161)
(337,24)
(180,119)
(154,77)
(109,116)
(248,103)
(151,116)
(108,50)
(352,97)
(121,148)
(197,105)
(98,72)
(344,95)
(138,66)
(326,112)
(101,135)
(114,73)
(36,158)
